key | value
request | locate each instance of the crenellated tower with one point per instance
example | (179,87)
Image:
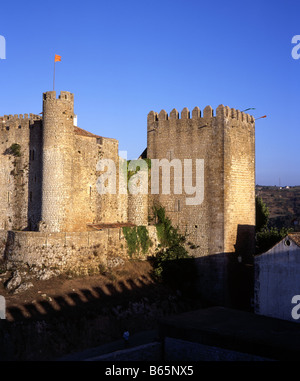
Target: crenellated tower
(220,227)
(58,147)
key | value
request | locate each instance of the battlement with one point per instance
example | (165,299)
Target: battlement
(64,95)
(208,113)
(19,117)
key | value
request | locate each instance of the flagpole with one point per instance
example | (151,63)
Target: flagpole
(56,58)
(54,76)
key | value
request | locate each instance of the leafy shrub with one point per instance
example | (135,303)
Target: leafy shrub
(16,149)
(166,233)
(172,264)
(137,239)
(262,214)
(267,238)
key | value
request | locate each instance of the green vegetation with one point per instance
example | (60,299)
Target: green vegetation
(131,173)
(168,236)
(262,214)
(283,204)
(266,237)
(137,239)
(15,149)
(172,263)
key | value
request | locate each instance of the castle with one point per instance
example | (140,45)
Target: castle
(49,174)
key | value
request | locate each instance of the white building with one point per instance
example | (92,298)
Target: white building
(277,279)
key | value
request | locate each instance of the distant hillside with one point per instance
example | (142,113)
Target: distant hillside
(283,204)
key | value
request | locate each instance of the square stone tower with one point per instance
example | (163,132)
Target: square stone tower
(220,227)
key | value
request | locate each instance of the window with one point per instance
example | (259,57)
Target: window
(170,155)
(31,154)
(177,206)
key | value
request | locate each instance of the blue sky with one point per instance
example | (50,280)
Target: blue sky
(123,59)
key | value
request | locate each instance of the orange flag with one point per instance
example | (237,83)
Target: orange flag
(261,117)
(57,58)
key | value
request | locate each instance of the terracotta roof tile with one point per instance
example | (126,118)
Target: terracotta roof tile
(80,131)
(295,237)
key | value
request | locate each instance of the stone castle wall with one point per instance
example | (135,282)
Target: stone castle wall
(239,182)
(76,252)
(52,185)
(20,175)
(191,138)
(222,225)
(58,148)
(225,143)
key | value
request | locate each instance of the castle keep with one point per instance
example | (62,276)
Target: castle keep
(49,174)
(222,227)
(226,144)
(49,184)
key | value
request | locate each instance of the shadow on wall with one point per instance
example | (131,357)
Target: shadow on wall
(87,317)
(35,173)
(226,279)
(61,324)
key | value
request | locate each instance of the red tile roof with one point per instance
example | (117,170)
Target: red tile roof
(80,131)
(295,237)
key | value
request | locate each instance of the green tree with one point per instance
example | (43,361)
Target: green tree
(267,238)
(262,214)
(172,263)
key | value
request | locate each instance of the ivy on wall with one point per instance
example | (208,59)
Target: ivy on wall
(137,239)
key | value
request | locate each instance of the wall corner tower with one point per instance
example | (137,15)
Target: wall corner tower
(58,146)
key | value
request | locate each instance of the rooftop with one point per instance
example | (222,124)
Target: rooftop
(235,330)
(295,237)
(82,132)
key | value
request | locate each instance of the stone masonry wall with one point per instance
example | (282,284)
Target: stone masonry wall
(223,222)
(239,182)
(58,147)
(90,207)
(191,138)
(76,252)
(225,142)
(19,200)
(52,185)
